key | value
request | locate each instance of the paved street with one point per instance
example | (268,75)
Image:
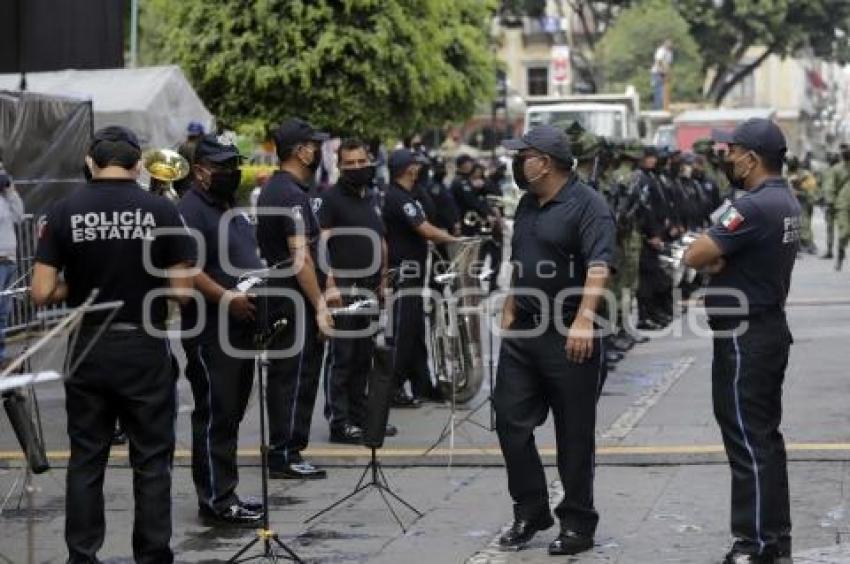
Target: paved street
(662,484)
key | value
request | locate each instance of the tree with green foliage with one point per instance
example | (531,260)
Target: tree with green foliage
(726,30)
(625,52)
(366,67)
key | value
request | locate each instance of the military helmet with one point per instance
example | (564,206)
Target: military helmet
(703,146)
(586,146)
(630,149)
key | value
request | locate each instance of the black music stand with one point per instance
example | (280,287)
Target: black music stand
(380,396)
(271,543)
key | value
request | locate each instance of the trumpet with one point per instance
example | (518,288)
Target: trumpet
(165,166)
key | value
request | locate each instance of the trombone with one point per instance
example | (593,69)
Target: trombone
(165,166)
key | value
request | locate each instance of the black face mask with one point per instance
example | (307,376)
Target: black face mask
(518,168)
(357,178)
(223,184)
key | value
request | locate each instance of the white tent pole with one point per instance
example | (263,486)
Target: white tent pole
(134,32)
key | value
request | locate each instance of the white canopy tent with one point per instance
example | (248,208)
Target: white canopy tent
(155,102)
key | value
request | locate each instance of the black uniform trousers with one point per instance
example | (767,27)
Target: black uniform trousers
(129,376)
(535,376)
(747,374)
(345,371)
(655,290)
(292,386)
(221,385)
(410,355)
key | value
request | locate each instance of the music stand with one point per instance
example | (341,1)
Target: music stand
(266,333)
(71,323)
(378,480)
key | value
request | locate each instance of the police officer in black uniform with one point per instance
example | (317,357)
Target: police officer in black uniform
(221,383)
(654,286)
(357,262)
(751,251)
(563,247)
(408,233)
(289,242)
(96,237)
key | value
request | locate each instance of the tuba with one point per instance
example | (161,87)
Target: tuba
(456,339)
(165,166)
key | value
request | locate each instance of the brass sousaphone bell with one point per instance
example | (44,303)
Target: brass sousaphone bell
(165,167)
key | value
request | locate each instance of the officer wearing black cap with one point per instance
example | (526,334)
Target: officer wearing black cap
(654,286)
(750,254)
(96,237)
(353,232)
(221,383)
(563,246)
(408,233)
(290,241)
(468,197)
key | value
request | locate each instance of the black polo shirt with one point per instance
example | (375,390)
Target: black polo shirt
(96,237)
(205,214)
(402,214)
(759,236)
(284,191)
(553,245)
(347,208)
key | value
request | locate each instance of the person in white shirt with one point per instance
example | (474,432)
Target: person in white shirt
(660,69)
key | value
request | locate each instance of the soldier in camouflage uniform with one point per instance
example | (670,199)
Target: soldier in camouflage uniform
(827,201)
(705,148)
(627,207)
(838,191)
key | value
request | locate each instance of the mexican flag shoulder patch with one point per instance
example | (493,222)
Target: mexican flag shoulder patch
(732,219)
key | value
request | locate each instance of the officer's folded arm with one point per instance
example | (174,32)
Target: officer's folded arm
(46,287)
(705,254)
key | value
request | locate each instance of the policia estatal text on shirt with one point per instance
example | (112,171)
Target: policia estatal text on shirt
(129,373)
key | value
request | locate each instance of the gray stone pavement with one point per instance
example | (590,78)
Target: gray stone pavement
(662,483)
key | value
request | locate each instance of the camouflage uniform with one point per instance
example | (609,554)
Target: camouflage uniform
(837,190)
(705,147)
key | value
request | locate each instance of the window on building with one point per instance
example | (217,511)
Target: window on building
(538,81)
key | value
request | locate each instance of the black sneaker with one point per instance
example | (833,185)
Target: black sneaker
(347,434)
(734,557)
(403,400)
(523,530)
(570,542)
(234,516)
(391,430)
(301,470)
(251,504)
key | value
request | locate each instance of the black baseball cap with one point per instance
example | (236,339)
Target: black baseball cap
(116,133)
(463,158)
(759,135)
(400,159)
(294,131)
(547,139)
(211,148)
